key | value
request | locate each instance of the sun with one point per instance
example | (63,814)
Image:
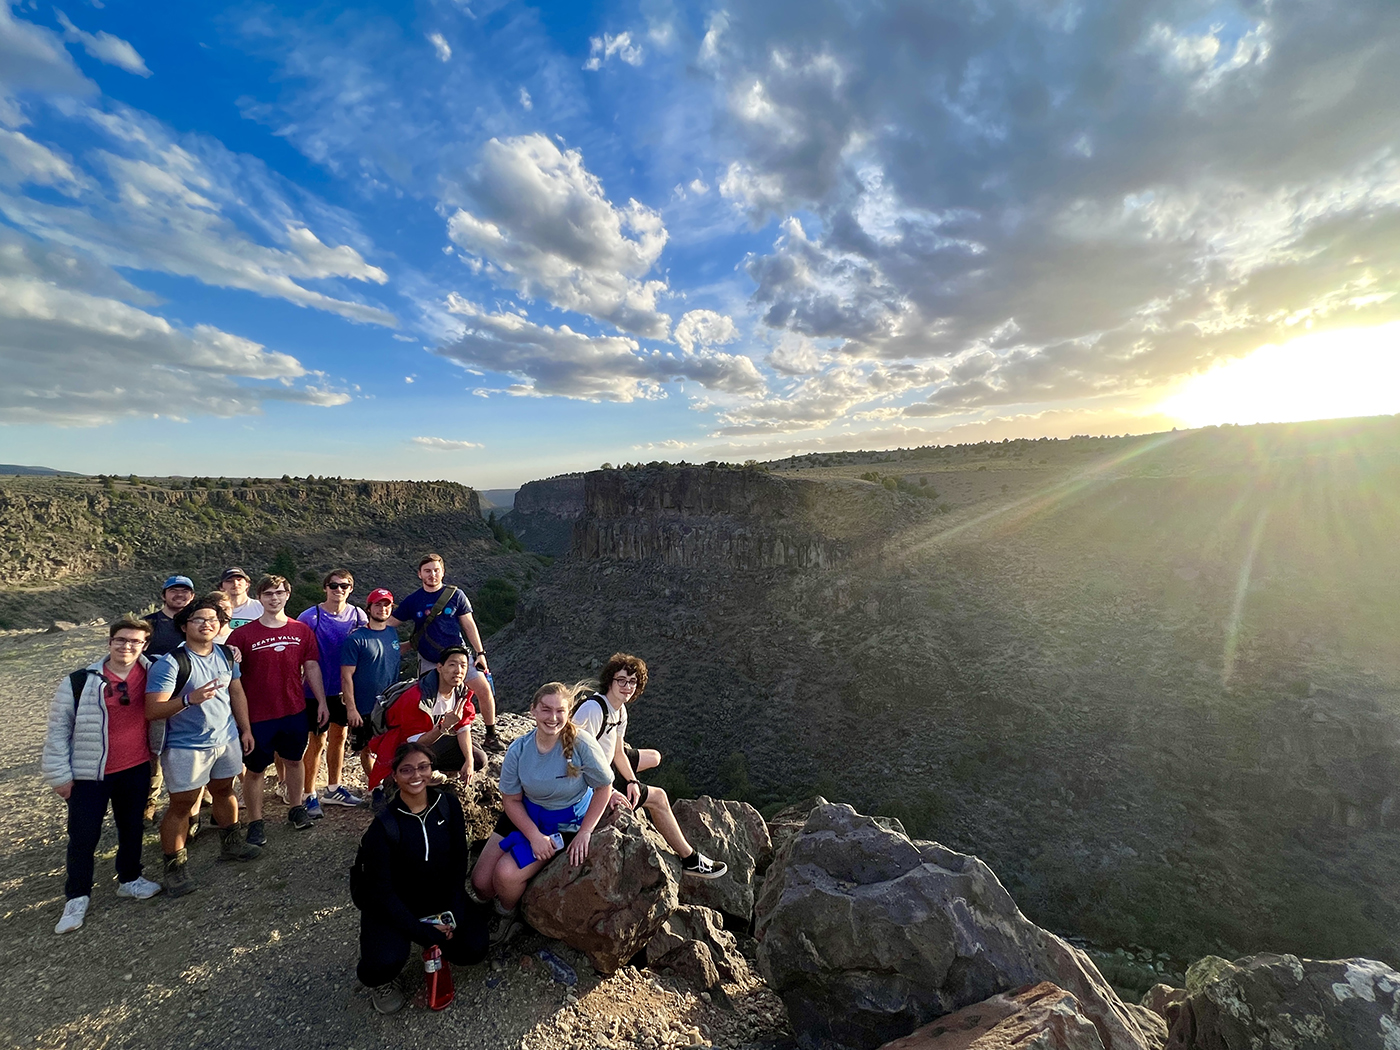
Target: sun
(1332,375)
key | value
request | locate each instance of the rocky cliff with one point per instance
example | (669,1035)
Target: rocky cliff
(77,548)
(544,513)
(1152,681)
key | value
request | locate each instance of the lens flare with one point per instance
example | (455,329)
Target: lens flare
(1332,375)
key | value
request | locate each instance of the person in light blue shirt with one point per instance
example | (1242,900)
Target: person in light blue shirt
(206,735)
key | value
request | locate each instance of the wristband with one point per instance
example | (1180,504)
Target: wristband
(185,701)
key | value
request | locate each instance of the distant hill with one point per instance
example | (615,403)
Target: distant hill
(497,499)
(16,468)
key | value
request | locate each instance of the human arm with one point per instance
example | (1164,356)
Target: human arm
(238,701)
(578,848)
(312,669)
(56,759)
(347,694)
(473,636)
(623,765)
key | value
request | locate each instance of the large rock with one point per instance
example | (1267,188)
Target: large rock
(1281,1002)
(735,833)
(867,935)
(610,906)
(693,942)
(1042,1017)
(1164,1001)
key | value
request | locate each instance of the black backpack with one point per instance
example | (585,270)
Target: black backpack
(360,894)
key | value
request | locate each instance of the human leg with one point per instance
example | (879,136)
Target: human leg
(383,951)
(335,752)
(153,796)
(129,791)
(483,874)
(311,764)
(647,758)
(509,879)
(486,703)
(658,808)
(87,805)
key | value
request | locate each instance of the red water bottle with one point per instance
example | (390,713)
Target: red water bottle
(437,980)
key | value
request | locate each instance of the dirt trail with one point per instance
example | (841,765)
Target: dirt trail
(264,953)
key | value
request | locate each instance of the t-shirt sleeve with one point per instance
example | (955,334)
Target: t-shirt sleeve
(510,771)
(588,756)
(461,603)
(405,611)
(589,717)
(308,616)
(313,649)
(235,671)
(161,677)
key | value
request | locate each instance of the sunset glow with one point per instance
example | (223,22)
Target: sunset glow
(1332,375)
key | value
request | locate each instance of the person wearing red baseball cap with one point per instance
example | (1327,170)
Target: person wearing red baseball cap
(369,664)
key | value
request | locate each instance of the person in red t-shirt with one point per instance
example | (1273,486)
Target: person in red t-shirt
(277,652)
(96,752)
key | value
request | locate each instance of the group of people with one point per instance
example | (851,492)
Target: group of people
(209,689)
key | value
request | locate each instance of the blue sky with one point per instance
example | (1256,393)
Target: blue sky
(489,241)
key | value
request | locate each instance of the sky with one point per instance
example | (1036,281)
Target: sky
(487,241)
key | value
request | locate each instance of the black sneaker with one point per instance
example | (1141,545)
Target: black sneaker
(387,998)
(492,741)
(298,818)
(703,867)
(257,834)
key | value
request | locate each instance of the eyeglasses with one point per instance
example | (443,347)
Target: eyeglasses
(127,643)
(422,769)
(276,592)
(624,681)
(339,586)
(118,689)
(203,621)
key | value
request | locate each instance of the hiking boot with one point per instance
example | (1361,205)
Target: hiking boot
(177,879)
(298,818)
(312,805)
(257,834)
(138,888)
(503,927)
(340,795)
(492,741)
(702,867)
(234,847)
(387,998)
(73,914)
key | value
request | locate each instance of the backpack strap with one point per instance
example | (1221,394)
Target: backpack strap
(78,679)
(444,599)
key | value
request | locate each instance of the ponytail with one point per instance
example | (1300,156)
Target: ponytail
(568,736)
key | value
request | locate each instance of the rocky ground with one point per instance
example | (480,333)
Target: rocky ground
(265,952)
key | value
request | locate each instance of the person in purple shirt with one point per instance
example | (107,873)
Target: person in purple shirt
(332,620)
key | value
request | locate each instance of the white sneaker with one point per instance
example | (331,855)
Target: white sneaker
(139,888)
(282,791)
(339,795)
(73,914)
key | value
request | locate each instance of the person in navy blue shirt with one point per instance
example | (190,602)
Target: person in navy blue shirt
(369,664)
(453,626)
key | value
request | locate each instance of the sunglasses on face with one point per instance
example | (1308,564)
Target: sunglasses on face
(118,689)
(339,586)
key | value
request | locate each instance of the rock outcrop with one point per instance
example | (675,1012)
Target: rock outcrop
(1281,1002)
(1042,1017)
(735,833)
(544,513)
(610,906)
(866,935)
(694,943)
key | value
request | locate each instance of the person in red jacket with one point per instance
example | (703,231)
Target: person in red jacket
(436,711)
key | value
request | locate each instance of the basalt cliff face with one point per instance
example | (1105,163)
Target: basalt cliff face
(544,513)
(1150,683)
(73,549)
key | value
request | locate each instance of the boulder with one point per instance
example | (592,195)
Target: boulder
(736,834)
(1281,1002)
(866,935)
(787,822)
(611,905)
(1164,1001)
(674,946)
(1042,1016)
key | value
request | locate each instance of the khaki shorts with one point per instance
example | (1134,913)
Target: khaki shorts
(187,768)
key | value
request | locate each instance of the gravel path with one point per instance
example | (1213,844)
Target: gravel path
(264,953)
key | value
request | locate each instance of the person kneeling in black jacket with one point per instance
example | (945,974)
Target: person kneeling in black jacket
(412,868)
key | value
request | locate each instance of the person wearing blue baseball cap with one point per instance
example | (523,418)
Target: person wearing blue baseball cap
(175,594)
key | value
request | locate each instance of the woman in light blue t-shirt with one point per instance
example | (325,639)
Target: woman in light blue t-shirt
(555,787)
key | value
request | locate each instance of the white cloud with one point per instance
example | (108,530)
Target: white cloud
(149,201)
(543,221)
(704,328)
(440,46)
(105,47)
(33,58)
(75,355)
(526,102)
(602,48)
(565,363)
(438,444)
(22,160)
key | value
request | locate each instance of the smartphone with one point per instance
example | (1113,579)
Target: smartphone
(558,840)
(445,918)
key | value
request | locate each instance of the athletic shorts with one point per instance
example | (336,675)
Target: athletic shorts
(187,768)
(284,737)
(335,705)
(621,785)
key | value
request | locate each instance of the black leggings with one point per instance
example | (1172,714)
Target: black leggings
(87,806)
(448,757)
(384,950)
